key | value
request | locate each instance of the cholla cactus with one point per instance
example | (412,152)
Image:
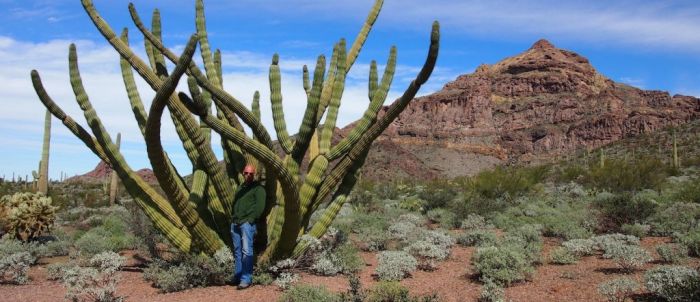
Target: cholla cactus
(195,217)
(28,215)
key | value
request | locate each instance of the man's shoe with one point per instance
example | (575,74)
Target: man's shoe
(243,286)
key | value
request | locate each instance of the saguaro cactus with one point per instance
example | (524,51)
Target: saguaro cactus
(43,174)
(195,217)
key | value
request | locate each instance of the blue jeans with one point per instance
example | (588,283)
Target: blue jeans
(243,235)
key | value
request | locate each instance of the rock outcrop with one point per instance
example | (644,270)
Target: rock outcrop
(538,105)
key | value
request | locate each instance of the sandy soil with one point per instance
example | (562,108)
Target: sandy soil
(453,281)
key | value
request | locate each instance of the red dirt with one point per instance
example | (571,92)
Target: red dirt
(452,281)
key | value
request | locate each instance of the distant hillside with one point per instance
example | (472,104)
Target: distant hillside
(543,103)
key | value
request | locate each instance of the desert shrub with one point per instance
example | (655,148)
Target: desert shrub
(492,292)
(387,190)
(609,242)
(27,215)
(502,265)
(689,191)
(372,240)
(580,247)
(678,217)
(412,204)
(412,218)
(113,234)
(673,283)
(672,252)
(559,217)
(429,247)
(527,239)
(619,175)
(437,194)
(286,280)
(445,218)
(97,282)
(55,271)
(628,257)
(637,230)
(191,271)
(395,265)
(308,293)
(9,245)
(388,291)
(474,222)
(625,208)
(692,241)
(14,267)
(477,238)
(562,255)
(343,259)
(474,203)
(617,290)
(403,230)
(355,292)
(427,253)
(439,237)
(506,182)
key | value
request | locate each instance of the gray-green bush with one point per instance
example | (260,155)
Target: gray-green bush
(308,293)
(673,283)
(477,238)
(672,252)
(395,265)
(503,265)
(618,289)
(14,267)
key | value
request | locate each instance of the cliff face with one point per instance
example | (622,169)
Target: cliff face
(539,104)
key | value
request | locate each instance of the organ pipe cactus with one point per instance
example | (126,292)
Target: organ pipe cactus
(43,174)
(114,180)
(195,217)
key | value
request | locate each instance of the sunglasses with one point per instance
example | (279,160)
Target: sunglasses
(248,173)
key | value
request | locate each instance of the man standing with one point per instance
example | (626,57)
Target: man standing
(248,207)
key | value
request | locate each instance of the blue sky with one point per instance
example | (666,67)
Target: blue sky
(647,44)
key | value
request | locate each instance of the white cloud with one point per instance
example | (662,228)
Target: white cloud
(638,23)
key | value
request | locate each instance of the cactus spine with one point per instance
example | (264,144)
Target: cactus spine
(195,217)
(114,179)
(43,177)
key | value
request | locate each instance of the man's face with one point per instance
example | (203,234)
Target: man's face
(249,174)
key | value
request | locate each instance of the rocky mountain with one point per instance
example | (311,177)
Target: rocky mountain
(537,105)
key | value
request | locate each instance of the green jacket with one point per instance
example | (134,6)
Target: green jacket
(249,203)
